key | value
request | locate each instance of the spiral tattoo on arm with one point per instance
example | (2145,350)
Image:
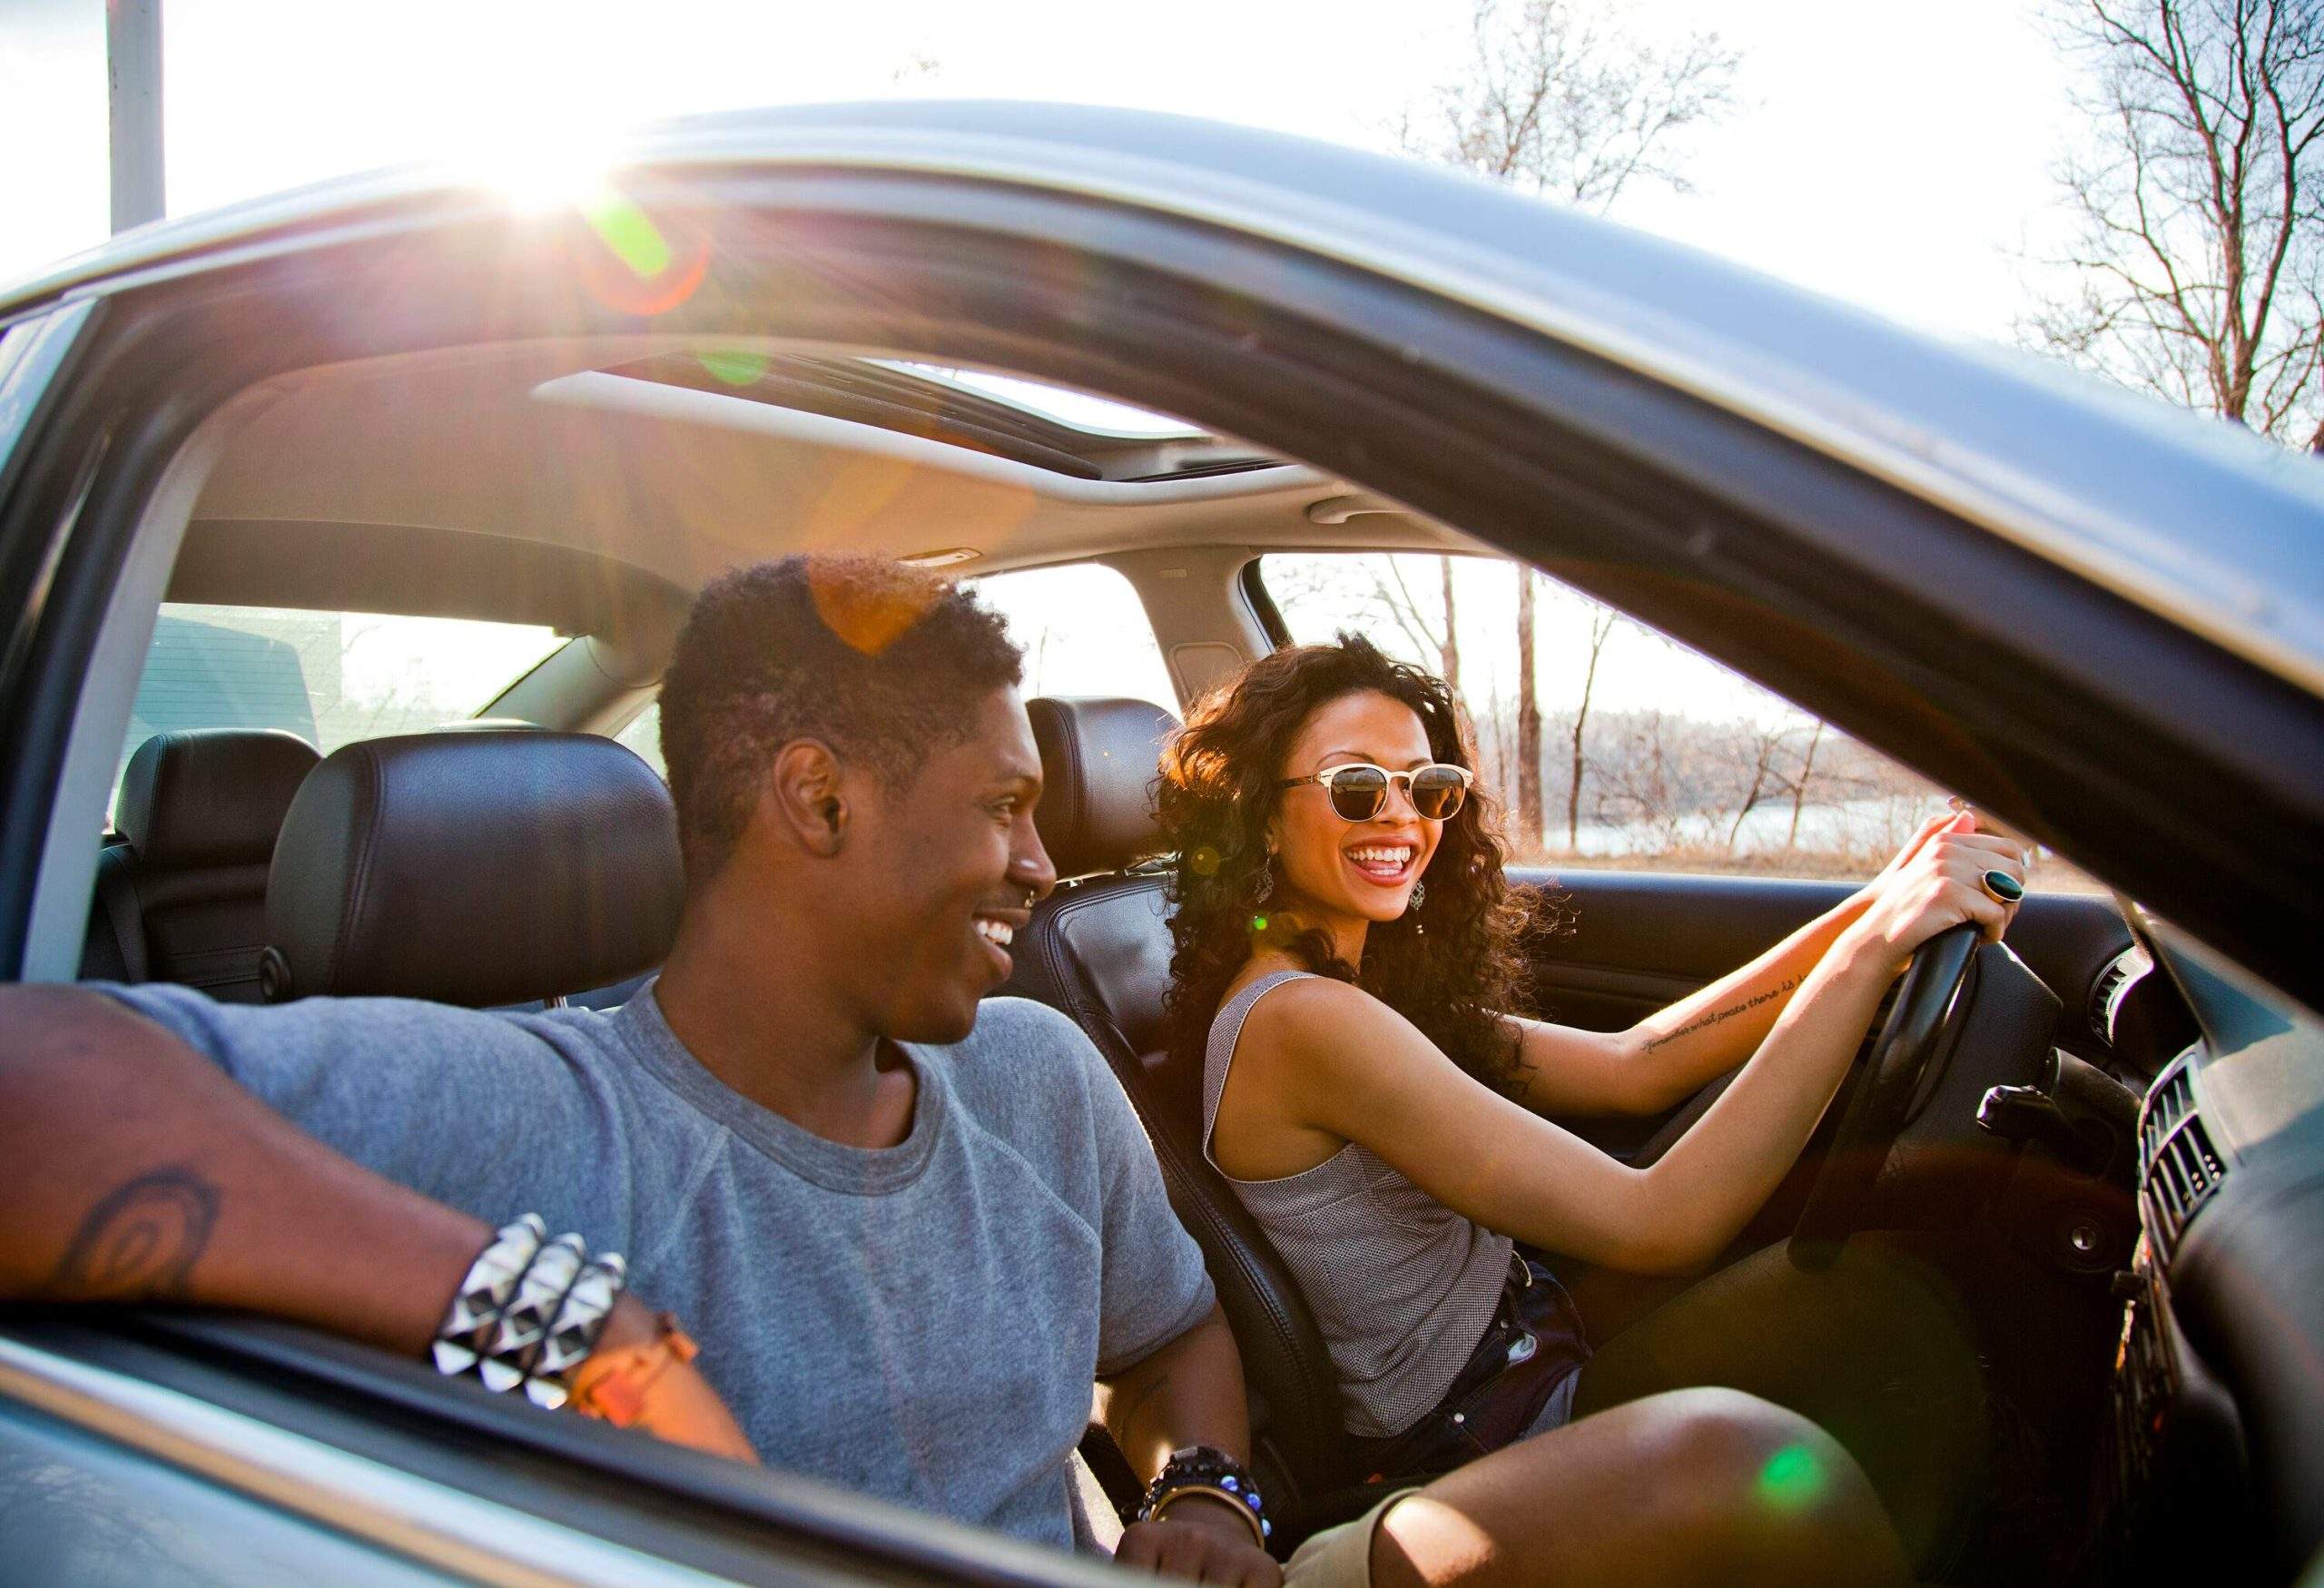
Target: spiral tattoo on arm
(140,1242)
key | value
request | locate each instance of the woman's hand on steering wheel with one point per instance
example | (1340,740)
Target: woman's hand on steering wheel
(1936,880)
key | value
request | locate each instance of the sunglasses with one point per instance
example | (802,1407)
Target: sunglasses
(1360,789)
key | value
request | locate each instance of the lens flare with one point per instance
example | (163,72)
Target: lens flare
(540,167)
(868,607)
(627,230)
(637,263)
(732,366)
(1792,1478)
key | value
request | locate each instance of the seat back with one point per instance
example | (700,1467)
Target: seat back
(1098,949)
(473,868)
(183,896)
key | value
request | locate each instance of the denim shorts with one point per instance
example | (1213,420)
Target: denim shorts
(1520,1380)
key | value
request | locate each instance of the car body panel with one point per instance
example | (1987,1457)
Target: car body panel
(2094,479)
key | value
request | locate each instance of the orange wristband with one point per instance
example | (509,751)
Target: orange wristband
(612,1386)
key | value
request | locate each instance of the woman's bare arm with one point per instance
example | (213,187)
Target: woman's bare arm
(1664,1059)
(1325,1058)
(1672,1053)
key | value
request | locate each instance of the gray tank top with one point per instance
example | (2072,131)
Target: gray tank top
(1402,1286)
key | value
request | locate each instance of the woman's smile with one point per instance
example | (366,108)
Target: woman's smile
(1340,874)
(1386,864)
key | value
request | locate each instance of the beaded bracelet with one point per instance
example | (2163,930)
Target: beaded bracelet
(528,1312)
(1205,1469)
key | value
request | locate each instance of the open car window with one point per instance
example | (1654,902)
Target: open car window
(1082,627)
(1083,632)
(330,677)
(1647,756)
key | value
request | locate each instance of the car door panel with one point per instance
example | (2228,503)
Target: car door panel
(1625,944)
(1622,944)
(83,1509)
(357,1450)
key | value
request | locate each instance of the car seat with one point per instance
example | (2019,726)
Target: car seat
(1098,949)
(482,869)
(183,896)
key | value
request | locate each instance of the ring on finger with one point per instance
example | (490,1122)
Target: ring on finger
(2003,886)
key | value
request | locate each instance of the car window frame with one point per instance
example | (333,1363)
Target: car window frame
(1627,488)
(616,1498)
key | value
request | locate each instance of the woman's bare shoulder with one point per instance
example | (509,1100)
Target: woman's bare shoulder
(1318,1016)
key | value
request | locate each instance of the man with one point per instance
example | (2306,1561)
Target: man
(908,1229)
(804,1138)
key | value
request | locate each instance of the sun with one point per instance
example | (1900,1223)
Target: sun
(543,162)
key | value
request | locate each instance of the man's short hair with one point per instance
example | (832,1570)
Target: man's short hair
(878,661)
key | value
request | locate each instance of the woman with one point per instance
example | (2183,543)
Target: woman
(1347,956)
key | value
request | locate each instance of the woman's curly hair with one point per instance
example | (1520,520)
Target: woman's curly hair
(1218,794)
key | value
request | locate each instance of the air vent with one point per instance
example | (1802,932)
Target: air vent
(2114,983)
(2182,1167)
(2172,1100)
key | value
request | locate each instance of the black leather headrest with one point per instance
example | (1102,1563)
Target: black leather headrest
(1101,759)
(211,796)
(472,868)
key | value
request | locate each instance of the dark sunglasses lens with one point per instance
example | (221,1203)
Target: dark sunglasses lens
(1438,790)
(1358,792)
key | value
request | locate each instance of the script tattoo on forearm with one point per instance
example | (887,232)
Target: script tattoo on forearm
(1708,1021)
(140,1242)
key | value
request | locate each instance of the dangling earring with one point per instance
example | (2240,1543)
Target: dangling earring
(1262,887)
(1419,898)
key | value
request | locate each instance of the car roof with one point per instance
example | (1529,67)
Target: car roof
(2208,524)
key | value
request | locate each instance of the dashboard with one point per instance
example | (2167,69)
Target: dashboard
(2212,1459)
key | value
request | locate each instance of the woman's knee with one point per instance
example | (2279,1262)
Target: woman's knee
(1762,1483)
(1688,1486)
(1726,1431)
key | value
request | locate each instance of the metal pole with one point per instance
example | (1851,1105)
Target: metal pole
(134,69)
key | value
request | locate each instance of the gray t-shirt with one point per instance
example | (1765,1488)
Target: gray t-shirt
(922,1322)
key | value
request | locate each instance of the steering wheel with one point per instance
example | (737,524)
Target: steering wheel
(1931,999)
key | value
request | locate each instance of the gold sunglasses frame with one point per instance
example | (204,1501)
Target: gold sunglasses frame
(1323,780)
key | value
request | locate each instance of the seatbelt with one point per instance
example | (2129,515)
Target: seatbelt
(117,894)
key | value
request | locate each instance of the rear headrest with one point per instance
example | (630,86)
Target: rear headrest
(210,796)
(1100,760)
(472,868)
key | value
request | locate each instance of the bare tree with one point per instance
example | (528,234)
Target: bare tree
(1451,650)
(1528,716)
(919,65)
(1800,788)
(1602,629)
(1650,784)
(1384,594)
(1492,737)
(1761,747)
(1404,609)
(2197,240)
(1557,98)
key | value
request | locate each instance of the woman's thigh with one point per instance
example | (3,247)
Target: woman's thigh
(1693,1487)
(1876,1349)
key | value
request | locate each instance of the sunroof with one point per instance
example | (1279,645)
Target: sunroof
(1027,421)
(1077,409)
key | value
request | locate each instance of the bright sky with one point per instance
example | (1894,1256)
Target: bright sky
(1896,156)
(1892,154)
